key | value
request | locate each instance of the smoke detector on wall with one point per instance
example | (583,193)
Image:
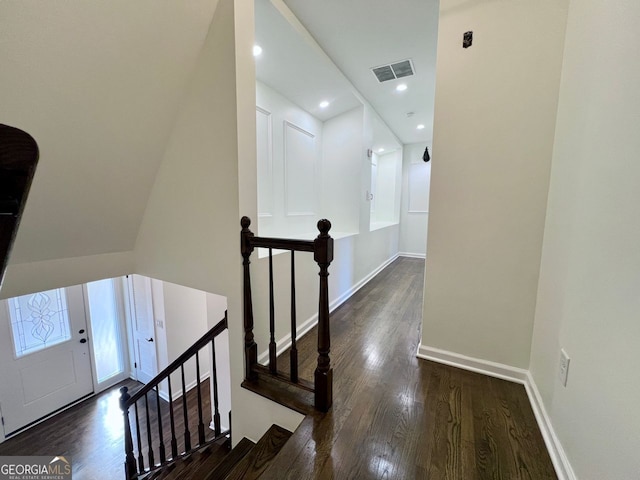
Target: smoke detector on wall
(392,71)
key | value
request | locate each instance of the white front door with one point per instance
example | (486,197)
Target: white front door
(142,325)
(44,355)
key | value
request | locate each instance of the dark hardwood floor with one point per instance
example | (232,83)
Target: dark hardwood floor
(92,432)
(395,416)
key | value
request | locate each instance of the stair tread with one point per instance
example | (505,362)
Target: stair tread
(233,457)
(207,460)
(259,458)
(184,467)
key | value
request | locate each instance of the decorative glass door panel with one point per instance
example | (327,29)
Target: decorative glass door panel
(45,362)
(39,321)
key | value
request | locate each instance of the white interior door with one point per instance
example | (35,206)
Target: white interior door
(142,326)
(44,355)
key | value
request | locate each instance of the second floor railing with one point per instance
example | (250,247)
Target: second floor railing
(322,249)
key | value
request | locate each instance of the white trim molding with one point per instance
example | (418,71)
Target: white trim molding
(561,463)
(267,209)
(412,255)
(493,369)
(164,394)
(286,163)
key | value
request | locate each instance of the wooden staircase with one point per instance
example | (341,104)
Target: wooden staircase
(216,461)
(212,459)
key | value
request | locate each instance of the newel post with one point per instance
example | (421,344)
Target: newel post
(250,347)
(130,461)
(323,255)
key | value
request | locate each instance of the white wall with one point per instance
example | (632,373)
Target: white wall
(495,110)
(25,278)
(97,84)
(295,167)
(341,170)
(190,231)
(414,210)
(356,258)
(386,188)
(588,300)
(185,321)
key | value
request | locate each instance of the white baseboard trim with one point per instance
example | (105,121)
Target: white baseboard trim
(412,255)
(493,369)
(349,293)
(176,394)
(561,463)
(285,342)
(223,427)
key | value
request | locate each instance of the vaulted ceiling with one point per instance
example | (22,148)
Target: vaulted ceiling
(98,85)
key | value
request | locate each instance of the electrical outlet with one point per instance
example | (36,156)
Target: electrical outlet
(564,367)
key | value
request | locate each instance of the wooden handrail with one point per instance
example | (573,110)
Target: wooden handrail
(322,249)
(282,244)
(220,327)
(18,159)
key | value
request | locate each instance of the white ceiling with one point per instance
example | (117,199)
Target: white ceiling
(294,68)
(361,34)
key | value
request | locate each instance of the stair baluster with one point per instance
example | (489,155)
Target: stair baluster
(200,421)
(163,454)
(150,456)
(216,410)
(174,441)
(139,440)
(187,433)
(273,356)
(293,353)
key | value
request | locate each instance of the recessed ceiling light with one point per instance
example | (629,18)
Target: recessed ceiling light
(257,50)
(420,127)
(402,87)
(380,150)
(324,104)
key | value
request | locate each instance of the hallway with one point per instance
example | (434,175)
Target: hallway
(396,416)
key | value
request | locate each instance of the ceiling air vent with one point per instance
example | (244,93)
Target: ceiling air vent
(401,69)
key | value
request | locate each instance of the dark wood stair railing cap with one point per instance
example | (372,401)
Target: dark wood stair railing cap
(18,150)
(18,159)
